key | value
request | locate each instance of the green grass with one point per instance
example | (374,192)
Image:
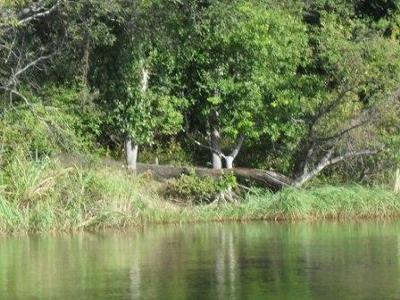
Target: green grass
(48,196)
(326,202)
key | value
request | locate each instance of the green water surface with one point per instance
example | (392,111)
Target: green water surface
(208,261)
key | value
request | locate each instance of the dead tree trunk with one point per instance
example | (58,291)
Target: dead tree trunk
(268,179)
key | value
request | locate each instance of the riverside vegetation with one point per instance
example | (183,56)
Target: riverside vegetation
(307,89)
(46,196)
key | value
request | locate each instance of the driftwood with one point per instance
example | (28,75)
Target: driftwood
(263,178)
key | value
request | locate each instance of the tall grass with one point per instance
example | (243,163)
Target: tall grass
(48,196)
(352,201)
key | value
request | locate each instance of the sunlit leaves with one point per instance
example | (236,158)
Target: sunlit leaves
(245,57)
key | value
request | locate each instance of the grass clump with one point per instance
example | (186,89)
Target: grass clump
(48,196)
(329,202)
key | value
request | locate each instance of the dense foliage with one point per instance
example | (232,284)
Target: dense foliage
(192,189)
(300,87)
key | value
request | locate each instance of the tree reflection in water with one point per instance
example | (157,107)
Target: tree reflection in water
(207,261)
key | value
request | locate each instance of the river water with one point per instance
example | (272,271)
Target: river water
(208,261)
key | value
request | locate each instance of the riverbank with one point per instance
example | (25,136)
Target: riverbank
(47,196)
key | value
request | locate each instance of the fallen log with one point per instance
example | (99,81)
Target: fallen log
(268,179)
(249,177)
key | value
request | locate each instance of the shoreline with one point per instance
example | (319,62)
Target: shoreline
(53,198)
(244,221)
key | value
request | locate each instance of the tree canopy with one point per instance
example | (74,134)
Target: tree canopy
(294,86)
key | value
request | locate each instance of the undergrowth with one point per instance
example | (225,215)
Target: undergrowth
(48,196)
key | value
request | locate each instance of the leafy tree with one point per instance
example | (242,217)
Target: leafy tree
(87,25)
(360,71)
(25,44)
(303,85)
(133,77)
(241,61)
(51,36)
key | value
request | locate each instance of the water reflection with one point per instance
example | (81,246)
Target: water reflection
(210,261)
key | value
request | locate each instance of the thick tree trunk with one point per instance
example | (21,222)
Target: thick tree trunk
(302,179)
(307,175)
(231,157)
(268,179)
(216,150)
(131,152)
(216,161)
(326,161)
(229,161)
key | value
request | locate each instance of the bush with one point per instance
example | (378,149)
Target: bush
(45,126)
(194,189)
(167,152)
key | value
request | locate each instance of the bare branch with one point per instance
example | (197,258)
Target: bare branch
(306,176)
(216,151)
(29,65)
(198,143)
(327,160)
(343,132)
(347,155)
(238,146)
(15,92)
(39,14)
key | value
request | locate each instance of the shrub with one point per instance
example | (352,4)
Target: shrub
(167,152)
(48,126)
(199,189)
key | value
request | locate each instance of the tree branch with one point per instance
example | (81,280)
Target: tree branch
(216,151)
(15,92)
(307,160)
(328,108)
(29,65)
(351,155)
(343,132)
(238,146)
(327,160)
(39,14)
